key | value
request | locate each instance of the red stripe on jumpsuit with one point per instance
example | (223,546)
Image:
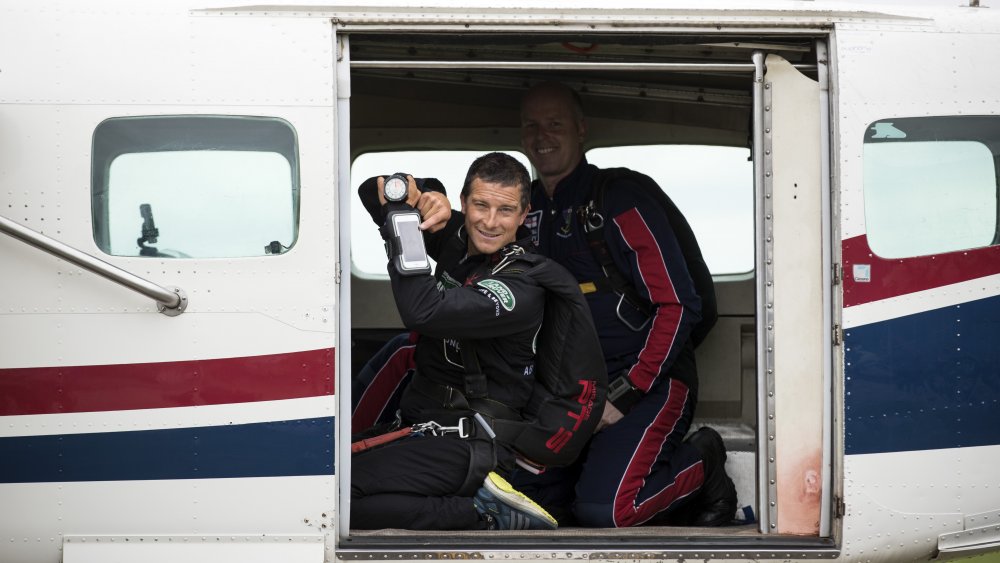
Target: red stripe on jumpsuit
(382,387)
(626,512)
(655,276)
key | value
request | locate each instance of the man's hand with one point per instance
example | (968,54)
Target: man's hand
(610,416)
(434,207)
(435,210)
(412,192)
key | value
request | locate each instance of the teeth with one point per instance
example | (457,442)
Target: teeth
(545,150)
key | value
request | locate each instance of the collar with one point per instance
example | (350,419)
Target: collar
(523,243)
(566,185)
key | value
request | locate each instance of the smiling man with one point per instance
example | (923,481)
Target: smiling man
(479,320)
(652,301)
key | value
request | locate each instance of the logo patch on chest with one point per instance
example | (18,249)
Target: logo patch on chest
(504,295)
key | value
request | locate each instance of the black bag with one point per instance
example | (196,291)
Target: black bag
(571,381)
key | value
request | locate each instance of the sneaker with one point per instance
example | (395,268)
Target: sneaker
(503,508)
(716,503)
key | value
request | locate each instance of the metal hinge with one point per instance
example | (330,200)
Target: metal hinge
(840,508)
(837,335)
(836,274)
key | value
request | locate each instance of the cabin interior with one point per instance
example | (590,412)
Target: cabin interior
(690,128)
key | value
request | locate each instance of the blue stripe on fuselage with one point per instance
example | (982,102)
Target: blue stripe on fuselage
(924,381)
(268,449)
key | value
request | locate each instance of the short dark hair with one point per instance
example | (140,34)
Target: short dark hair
(499,168)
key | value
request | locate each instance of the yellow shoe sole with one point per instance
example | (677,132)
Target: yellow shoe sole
(499,486)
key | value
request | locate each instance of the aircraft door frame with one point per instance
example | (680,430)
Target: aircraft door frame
(342,49)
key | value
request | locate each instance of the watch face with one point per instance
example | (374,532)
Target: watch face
(395,189)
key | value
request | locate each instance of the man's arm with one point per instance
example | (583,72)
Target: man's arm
(429,199)
(643,243)
(490,307)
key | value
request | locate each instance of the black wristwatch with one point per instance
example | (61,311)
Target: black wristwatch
(622,394)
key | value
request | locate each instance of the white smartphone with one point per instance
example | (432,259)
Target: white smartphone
(412,258)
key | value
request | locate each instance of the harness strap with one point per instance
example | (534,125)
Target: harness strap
(593,226)
(368,443)
(614,280)
(475,380)
(505,422)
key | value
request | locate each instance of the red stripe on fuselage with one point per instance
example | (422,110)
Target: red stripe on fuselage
(892,277)
(166,384)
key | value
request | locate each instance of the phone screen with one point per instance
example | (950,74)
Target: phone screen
(414,255)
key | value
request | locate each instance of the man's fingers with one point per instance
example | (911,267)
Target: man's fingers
(380,181)
(610,416)
(413,194)
(435,210)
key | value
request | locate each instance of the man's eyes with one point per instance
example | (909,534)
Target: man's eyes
(535,125)
(485,207)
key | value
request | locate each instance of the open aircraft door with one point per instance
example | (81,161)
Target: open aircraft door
(794,362)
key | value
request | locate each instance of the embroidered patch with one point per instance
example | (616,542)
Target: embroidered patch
(501,291)
(566,230)
(533,221)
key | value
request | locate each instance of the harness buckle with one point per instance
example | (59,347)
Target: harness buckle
(592,219)
(436,429)
(618,311)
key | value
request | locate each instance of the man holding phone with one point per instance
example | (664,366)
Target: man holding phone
(478,320)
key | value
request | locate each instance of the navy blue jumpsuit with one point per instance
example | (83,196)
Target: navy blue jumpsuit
(638,467)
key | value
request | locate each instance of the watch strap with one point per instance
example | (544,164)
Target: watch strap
(622,394)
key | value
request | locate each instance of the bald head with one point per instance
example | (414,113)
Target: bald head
(552,131)
(556,91)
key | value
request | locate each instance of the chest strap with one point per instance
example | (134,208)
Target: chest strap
(614,280)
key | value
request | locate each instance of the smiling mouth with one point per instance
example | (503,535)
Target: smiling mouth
(545,150)
(486,235)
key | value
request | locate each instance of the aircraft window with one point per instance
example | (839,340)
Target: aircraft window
(195,186)
(450,167)
(930,185)
(712,186)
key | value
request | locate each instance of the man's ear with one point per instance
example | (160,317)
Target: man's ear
(582,125)
(461,200)
(524,215)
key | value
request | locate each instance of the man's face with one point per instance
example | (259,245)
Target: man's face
(492,215)
(551,135)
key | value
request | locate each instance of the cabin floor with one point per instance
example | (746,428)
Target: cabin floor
(740,466)
(677,532)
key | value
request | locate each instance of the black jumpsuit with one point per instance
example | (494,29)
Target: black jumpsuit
(424,482)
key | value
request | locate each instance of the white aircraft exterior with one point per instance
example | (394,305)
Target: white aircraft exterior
(184,400)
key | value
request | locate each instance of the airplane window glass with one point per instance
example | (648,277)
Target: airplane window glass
(450,167)
(195,187)
(930,185)
(713,188)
